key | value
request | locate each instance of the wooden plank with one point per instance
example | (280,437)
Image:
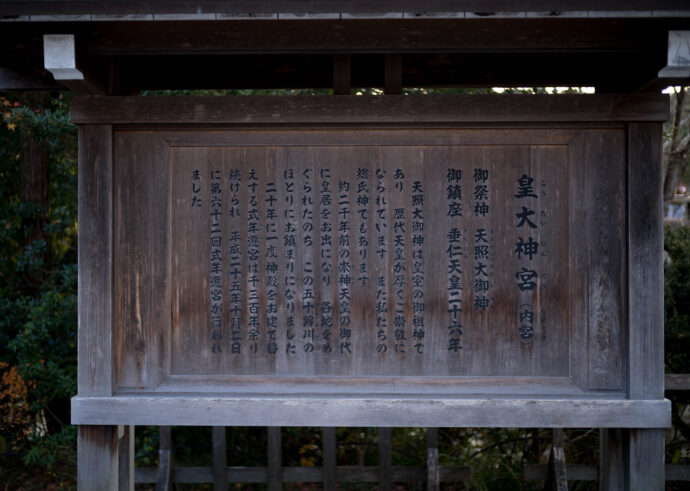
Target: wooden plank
(612,444)
(275,469)
(393,74)
(385,459)
(330,477)
(72,7)
(646,460)
(141,289)
(433,475)
(95,178)
(97,458)
(126,458)
(220,477)
(371,411)
(605,230)
(278,110)
(576,472)
(646,315)
(677,381)
(557,475)
(349,474)
(342,74)
(645,262)
(163,476)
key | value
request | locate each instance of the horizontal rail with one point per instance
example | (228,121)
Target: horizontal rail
(200,475)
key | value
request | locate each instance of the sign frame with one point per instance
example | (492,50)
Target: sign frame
(636,401)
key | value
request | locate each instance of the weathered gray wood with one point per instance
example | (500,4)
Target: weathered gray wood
(605,230)
(612,448)
(645,263)
(369,109)
(372,411)
(646,459)
(275,469)
(646,315)
(95,260)
(97,456)
(330,477)
(164,470)
(433,475)
(557,474)
(677,381)
(126,458)
(348,474)
(385,459)
(220,478)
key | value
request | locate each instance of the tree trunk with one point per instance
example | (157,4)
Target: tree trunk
(34,183)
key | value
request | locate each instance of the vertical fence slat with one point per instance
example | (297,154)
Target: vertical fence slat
(126,458)
(433,474)
(329,459)
(164,459)
(275,477)
(385,458)
(220,465)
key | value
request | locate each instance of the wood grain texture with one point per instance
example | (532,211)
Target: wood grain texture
(369,109)
(371,411)
(95,260)
(605,244)
(645,262)
(141,257)
(433,474)
(97,456)
(646,459)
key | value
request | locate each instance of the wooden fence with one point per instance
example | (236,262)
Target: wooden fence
(555,474)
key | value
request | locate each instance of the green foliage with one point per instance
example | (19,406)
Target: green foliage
(38,282)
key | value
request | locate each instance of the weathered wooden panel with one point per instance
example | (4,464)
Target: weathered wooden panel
(95,260)
(292,110)
(371,410)
(317,260)
(140,254)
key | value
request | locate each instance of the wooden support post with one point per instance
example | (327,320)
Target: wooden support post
(220,465)
(275,469)
(433,474)
(98,451)
(126,458)
(163,477)
(557,477)
(342,76)
(393,74)
(645,299)
(330,478)
(97,456)
(385,460)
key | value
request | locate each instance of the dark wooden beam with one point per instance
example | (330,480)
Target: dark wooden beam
(342,75)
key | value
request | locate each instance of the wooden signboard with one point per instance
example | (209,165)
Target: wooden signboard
(396,261)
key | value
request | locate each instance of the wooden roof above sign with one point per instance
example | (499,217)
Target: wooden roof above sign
(125,47)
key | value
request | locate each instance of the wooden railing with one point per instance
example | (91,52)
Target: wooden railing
(555,474)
